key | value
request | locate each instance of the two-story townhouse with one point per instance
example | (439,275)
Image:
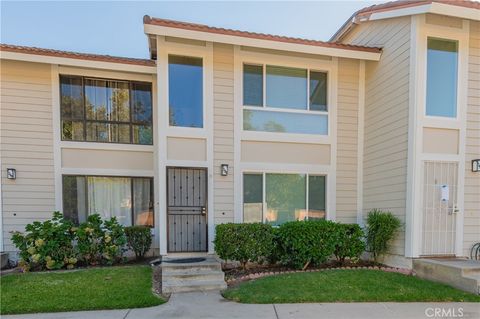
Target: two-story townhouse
(223,125)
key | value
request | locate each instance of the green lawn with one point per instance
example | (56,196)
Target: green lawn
(344,286)
(84,289)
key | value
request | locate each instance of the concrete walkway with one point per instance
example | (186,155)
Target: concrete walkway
(212,305)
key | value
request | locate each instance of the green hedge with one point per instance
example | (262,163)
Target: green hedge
(57,243)
(381,229)
(297,243)
(350,243)
(307,242)
(139,239)
(244,242)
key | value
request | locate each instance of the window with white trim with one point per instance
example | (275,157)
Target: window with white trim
(442,77)
(277,198)
(284,99)
(129,199)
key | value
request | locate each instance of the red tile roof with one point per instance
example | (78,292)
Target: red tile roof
(262,36)
(75,55)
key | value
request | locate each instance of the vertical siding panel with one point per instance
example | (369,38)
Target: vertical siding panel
(223,131)
(347,128)
(472,147)
(26,143)
(386,117)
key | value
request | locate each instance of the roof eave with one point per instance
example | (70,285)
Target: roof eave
(261,43)
(77,62)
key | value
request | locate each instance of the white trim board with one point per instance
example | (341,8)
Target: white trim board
(252,42)
(77,62)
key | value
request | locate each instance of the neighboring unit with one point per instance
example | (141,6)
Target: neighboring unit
(224,126)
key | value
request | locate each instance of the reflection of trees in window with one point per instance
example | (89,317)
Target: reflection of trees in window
(106,111)
(272,126)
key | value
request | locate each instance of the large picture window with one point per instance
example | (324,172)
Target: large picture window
(277,198)
(101,110)
(129,199)
(185,91)
(442,74)
(292,100)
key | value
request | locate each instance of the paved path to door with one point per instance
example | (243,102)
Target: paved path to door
(212,305)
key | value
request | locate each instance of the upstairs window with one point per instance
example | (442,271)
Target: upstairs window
(284,99)
(442,75)
(185,91)
(101,110)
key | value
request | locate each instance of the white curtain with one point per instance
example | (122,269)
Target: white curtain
(110,197)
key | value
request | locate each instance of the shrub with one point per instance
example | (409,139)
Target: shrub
(244,242)
(100,241)
(350,242)
(139,239)
(381,228)
(307,242)
(47,245)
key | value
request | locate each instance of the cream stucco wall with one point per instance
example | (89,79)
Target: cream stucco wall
(107,159)
(440,141)
(290,153)
(26,144)
(193,149)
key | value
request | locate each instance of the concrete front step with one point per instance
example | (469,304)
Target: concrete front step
(187,277)
(463,274)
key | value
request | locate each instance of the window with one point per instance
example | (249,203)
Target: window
(185,91)
(278,198)
(100,110)
(442,73)
(295,100)
(129,199)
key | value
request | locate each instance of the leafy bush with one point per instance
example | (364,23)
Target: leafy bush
(350,243)
(100,241)
(244,242)
(139,239)
(57,243)
(307,242)
(47,245)
(381,228)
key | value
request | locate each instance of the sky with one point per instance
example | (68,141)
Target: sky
(116,27)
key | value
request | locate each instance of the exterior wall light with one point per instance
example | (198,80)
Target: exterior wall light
(224,169)
(476,165)
(11,173)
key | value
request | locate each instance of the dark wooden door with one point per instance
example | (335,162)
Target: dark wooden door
(187,209)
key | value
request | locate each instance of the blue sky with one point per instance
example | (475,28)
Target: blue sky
(116,28)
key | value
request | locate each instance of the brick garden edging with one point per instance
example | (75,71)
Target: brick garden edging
(405,271)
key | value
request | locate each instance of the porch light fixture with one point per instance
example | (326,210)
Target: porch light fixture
(11,173)
(224,169)
(476,165)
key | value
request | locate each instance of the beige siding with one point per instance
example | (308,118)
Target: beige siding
(26,144)
(472,180)
(347,132)
(386,117)
(223,131)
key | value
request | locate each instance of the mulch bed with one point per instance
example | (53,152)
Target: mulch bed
(235,275)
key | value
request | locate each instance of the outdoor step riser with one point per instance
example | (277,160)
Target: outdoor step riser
(191,269)
(192,278)
(193,288)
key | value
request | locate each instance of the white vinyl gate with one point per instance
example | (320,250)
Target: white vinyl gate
(440,183)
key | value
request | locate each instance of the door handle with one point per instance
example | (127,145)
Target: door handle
(204,210)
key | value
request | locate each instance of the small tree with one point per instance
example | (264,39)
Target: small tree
(381,229)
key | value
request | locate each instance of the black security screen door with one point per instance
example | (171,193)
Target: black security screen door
(187,209)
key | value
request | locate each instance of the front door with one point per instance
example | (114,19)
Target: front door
(187,209)
(440,180)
